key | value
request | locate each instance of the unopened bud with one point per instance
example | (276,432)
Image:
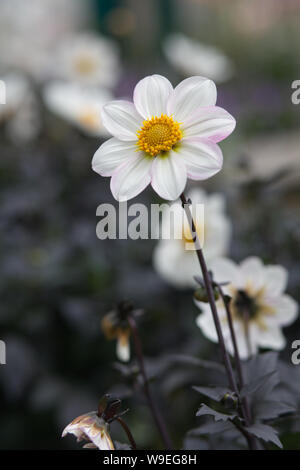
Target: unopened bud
(201,294)
(230,400)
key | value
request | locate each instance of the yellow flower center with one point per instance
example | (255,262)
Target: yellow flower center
(158,134)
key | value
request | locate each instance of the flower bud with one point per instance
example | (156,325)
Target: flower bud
(201,294)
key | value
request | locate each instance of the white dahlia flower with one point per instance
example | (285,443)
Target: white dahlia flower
(164,137)
(172,260)
(259,306)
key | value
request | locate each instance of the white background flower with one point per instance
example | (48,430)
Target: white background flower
(30,31)
(78,105)
(164,137)
(257,291)
(20,112)
(192,57)
(173,261)
(89,59)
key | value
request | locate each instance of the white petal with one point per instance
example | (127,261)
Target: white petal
(252,273)
(210,122)
(168,255)
(189,95)
(151,96)
(123,349)
(132,177)
(121,119)
(206,324)
(168,176)
(276,280)
(203,159)
(271,338)
(112,154)
(242,342)
(224,270)
(286,310)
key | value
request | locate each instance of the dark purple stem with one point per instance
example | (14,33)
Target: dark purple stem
(210,294)
(156,414)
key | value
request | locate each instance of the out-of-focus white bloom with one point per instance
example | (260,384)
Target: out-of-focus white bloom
(20,112)
(89,59)
(164,137)
(90,427)
(30,30)
(78,105)
(194,58)
(172,260)
(268,156)
(258,305)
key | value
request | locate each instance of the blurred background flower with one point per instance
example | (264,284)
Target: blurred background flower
(79,105)
(88,59)
(193,58)
(57,278)
(213,227)
(259,305)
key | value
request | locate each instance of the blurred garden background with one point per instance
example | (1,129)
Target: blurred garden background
(57,279)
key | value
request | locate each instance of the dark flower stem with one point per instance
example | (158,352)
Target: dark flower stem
(237,358)
(156,414)
(210,294)
(128,432)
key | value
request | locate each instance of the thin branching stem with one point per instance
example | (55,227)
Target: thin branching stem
(210,294)
(237,358)
(128,432)
(156,414)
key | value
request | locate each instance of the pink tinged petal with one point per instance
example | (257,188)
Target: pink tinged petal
(121,119)
(168,176)
(276,280)
(132,177)
(202,158)
(189,95)
(112,154)
(151,96)
(211,122)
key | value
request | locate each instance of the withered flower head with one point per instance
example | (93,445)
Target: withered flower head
(115,326)
(91,428)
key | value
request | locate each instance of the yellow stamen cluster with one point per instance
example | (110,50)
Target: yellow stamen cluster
(158,134)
